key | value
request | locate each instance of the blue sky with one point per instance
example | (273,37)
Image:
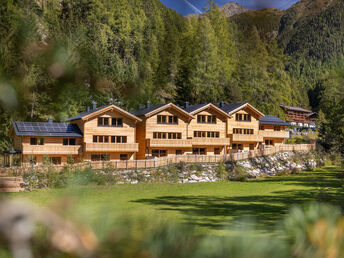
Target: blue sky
(196,6)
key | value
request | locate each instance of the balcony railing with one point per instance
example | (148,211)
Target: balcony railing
(274,134)
(211,141)
(51,149)
(169,143)
(111,147)
(247,138)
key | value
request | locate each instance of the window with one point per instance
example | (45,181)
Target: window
(161,119)
(103,121)
(217,151)
(173,120)
(242,131)
(100,157)
(159,153)
(100,139)
(269,142)
(68,141)
(33,141)
(106,139)
(200,134)
(243,117)
(95,139)
(36,141)
(163,135)
(32,160)
(199,151)
(261,127)
(277,128)
(117,122)
(179,152)
(203,119)
(123,157)
(56,160)
(167,119)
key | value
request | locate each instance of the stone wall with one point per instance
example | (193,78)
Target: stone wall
(254,168)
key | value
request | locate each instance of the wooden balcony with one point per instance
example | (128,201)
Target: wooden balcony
(111,147)
(211,141)
(247,138)
(169,143)
(51,149)
(274,134)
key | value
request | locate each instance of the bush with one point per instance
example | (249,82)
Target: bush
(238,173)
(221,171)
(284,172)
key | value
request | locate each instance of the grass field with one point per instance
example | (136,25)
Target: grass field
(210,207)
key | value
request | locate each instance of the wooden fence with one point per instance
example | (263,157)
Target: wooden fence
(159,162)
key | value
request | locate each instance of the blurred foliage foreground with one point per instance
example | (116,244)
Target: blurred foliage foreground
(26,230)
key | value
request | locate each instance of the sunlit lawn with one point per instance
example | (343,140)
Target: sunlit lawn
(211,207)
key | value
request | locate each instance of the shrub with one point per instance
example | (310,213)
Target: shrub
(295,171)
(238,173)
(284,172)
(221,171)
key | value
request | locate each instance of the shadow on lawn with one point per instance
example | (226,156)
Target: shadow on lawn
(216,212)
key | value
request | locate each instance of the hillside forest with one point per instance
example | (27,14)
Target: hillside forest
(56,57)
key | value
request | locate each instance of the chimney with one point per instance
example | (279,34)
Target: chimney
(94,104)
(148,104)
(50,120)
(88,109)
(222,104)
(187,104)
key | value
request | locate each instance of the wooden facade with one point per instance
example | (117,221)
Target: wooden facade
(164,132)
(111,133)
(243,128)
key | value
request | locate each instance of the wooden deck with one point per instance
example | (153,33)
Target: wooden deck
(247,138)
(159,162)
(51,149)
(111,147)
(274,134)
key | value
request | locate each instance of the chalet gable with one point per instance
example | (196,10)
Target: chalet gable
(211,108)
(232,109)
(154,110)
(104,110)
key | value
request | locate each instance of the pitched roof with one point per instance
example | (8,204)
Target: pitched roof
(48,129)
(96,111)
(146,110)
(83,114)
(149,111)
(228,108)
(299,109)
(192,108)
(232,108)
(272,120)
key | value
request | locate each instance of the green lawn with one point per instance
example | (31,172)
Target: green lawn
(211,207)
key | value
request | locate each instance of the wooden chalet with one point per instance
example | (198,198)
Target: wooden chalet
(111,133)
(208,130)
(163,131)
(243,126)
(298,115)
(272,129)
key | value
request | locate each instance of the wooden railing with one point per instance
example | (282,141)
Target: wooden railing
(247,138)
(111,147)
(159,162)
(211,141)
(274,134)
(169,143)
(51,149)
